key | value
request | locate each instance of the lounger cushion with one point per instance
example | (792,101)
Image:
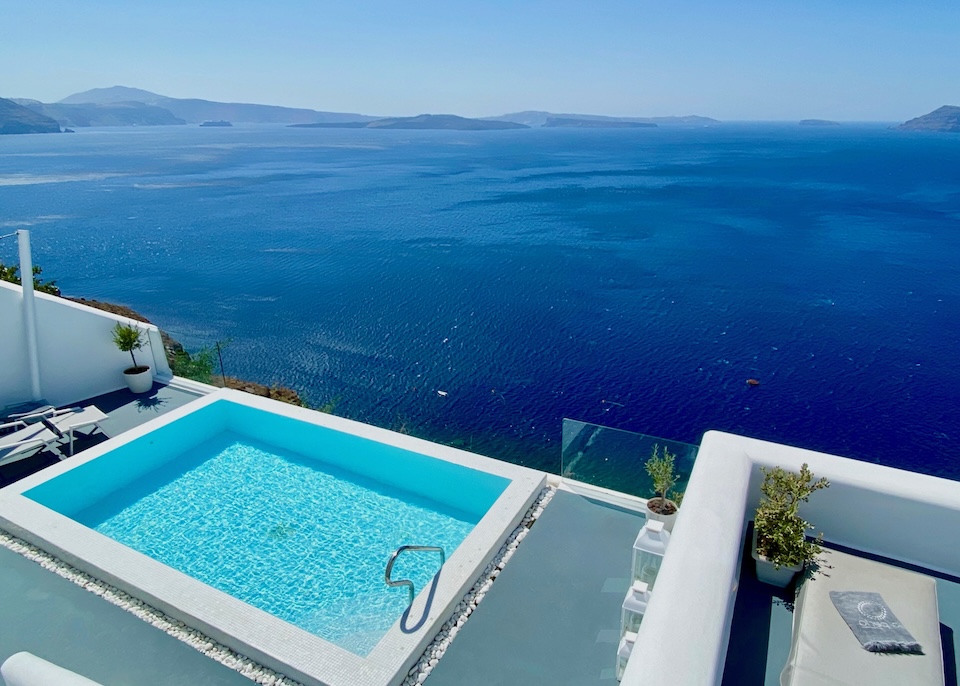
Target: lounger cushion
(824,652)
(26,669)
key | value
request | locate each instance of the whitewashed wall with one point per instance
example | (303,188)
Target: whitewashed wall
(889,512)
(77,356)
(14,373)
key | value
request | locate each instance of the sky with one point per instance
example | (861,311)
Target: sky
(860,60)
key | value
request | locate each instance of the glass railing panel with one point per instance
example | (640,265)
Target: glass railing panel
(615,459)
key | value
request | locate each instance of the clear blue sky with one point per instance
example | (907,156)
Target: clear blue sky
(770,59)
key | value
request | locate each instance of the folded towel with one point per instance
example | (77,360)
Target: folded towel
(873,623)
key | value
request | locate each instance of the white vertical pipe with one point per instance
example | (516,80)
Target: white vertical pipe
(29,312)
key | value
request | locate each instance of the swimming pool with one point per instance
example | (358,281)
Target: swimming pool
(269,527)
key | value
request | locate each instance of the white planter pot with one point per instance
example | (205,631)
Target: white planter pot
(768,573)
(138,381)
(668,520)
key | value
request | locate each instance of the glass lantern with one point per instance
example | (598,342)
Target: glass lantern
(623,652)
(648,551)
(634,607)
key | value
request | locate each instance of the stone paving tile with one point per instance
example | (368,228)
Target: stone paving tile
(59,621)
(552,614)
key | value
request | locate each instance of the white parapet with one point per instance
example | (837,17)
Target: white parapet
(888,512)
(75,350)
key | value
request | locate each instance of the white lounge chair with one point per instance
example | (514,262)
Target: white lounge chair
(68,421)
(34,431)
(26,441)
(38,413)
(35,410)
(825,652)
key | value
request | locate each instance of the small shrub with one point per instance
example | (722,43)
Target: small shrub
(781,531)
(128,338)
(198,366)
(12,275)
(662,472)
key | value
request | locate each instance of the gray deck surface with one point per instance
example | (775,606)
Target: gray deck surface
(127,410)
(553,615)
(124,410)
(763,627)
(59,621)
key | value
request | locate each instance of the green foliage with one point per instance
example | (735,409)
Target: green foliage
(781,531)
(12,275)
(128,338)
(198,366)
(661,470)
(329,406)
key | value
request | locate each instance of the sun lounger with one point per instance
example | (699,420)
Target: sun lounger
(70,422)
(825,651)
(34,411)
(25,441)
(31,432)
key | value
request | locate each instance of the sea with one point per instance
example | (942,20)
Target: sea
(476,288)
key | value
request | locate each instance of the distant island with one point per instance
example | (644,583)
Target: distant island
(194,111)
(818,122)
(946,118)
(219,122)
(15,118)
(125,106)
(122,106)
(448,122)
(562,122)
(331,125)
(537,118)
(106,114)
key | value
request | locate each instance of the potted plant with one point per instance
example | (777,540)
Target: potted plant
(780,544)
(128,338)
(661,471)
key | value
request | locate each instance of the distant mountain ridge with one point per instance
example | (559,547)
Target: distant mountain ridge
(194,110)
(946,118)
(561,122)
(106,96)
(449,122)
(104,114)
(537,118)
(15,118)
(125,106)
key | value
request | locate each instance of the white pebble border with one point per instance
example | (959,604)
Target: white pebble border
(253,670)
(431,656)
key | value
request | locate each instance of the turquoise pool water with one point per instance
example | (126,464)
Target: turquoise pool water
(298,534)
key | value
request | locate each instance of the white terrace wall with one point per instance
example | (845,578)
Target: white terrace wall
(889,512)
(78,359)
(14,373)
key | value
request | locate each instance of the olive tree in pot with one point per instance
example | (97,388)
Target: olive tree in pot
(780,544)
(128,338)
(661,471)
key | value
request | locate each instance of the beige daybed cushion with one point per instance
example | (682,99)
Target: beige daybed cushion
(824,651)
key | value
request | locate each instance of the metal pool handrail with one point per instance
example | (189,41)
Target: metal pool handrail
(402,549)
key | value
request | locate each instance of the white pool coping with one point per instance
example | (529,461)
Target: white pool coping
(242,627)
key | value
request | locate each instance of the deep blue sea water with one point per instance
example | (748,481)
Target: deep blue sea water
(536,274)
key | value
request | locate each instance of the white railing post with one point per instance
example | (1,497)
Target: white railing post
(29,312)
